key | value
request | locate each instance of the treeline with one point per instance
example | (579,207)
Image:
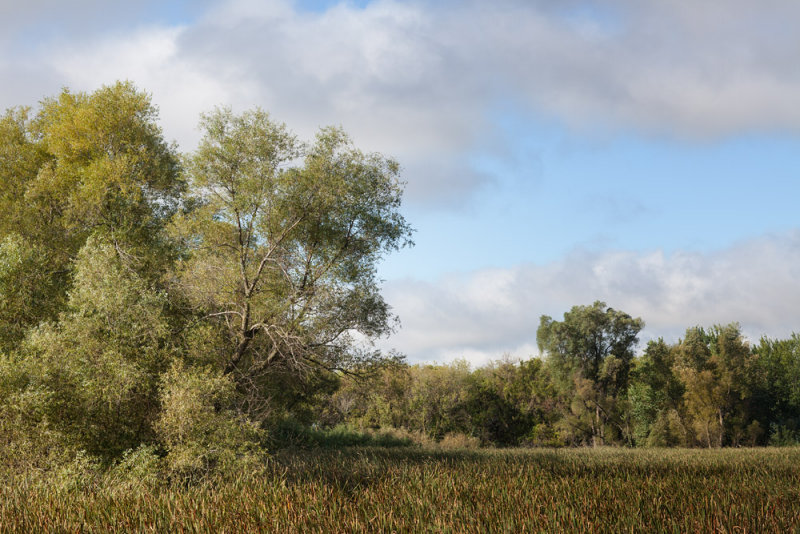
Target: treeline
(710,389)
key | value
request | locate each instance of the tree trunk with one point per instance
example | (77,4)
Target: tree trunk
(597,428)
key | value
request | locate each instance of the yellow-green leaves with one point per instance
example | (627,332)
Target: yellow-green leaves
(199,426)
(101,362)
(82,165)
(283,240)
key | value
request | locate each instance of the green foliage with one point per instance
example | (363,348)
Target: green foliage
(157,320)
(381,399)
(506,400)
(655,396)
(776,388)
(109,169)
(591,353)
(585,339)
(85,164)
(667,430)
(282,240)
(713,366)
(290,433)
(438,397)
(94,374)
(504,403)
(200,428)
(784,436)
(29,293)
(137,469)
(139,315)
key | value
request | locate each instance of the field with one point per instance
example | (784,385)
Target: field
(417,490)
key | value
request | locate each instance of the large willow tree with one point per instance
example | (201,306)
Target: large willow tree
(144,302)
(283,240)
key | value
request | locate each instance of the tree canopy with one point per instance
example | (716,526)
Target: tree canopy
(592,350)
(144,290)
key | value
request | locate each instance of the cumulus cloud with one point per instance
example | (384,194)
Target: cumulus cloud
(482,315)
(420,80)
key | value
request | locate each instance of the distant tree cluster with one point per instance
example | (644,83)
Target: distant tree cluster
(710,389)
(177,304)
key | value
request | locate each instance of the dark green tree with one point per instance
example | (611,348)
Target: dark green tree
(654,397)
(776,391)
(590,353)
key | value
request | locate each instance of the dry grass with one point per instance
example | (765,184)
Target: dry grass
(412,490)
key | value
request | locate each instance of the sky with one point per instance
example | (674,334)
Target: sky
(555,152)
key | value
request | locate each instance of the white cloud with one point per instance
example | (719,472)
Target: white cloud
(419,80)
(484,314)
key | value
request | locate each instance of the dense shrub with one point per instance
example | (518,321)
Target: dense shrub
(200,428)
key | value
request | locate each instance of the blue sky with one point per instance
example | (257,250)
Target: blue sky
(628,192)
(555,152)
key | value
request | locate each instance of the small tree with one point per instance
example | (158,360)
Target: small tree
(199,427)
(95,373)
(655,392)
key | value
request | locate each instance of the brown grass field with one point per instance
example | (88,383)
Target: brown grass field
(422,490)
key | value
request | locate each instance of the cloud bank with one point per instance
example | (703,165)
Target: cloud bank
(482,315)
(423,80)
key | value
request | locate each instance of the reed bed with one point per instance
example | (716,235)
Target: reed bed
(417,490)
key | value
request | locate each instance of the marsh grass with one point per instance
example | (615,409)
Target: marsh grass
(419,490)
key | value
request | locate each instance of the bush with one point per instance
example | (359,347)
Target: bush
(82,472)
(783,435)
(457,440)
(201,430)
(543,435)
(139,468)
(667,431)
(291,433)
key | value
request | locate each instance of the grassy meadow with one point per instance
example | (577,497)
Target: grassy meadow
(370,489)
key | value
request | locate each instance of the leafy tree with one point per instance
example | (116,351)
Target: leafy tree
(493,415)
(777,388)
(655,396)
(591,352)
(87,184)
(379,398)
(84,164)
(438,399)
(116,335)
(511,403)
(93,376)
(714,368)
(283,241)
